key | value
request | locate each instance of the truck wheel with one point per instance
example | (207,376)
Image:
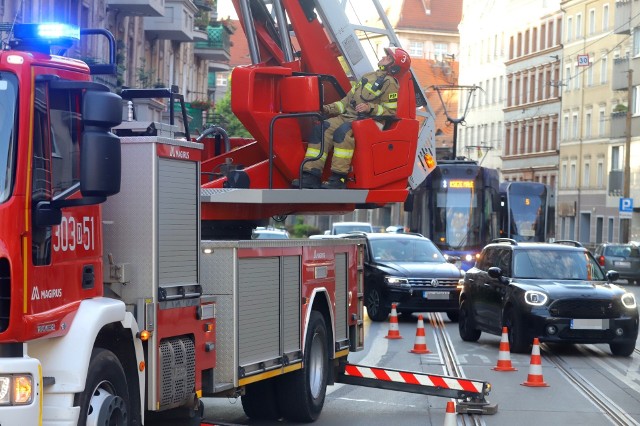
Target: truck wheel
(301,393)
(105,399)
(259,401)
(376,308)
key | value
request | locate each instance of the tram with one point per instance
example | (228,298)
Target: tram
(527,211)
(457,207)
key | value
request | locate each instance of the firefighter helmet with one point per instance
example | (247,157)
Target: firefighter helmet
(401,61)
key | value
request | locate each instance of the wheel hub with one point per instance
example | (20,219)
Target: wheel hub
(106,409)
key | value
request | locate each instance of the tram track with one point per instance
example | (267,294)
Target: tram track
(608,407)
(451,365)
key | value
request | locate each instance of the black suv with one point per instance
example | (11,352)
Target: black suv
(409,270)
(556,292)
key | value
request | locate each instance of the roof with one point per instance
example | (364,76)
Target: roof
(424,15)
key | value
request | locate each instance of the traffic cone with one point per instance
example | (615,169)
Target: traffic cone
(450,415)
(420,345)
(535,368)
(504,354)
(394,331)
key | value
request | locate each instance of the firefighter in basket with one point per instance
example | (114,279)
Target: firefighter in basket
(375,95)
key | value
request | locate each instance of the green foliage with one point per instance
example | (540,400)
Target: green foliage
(302,230)
(223,110)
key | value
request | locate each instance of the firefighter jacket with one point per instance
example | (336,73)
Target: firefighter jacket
(378,89)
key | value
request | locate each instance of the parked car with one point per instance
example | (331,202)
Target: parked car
(623,258)
(269,233)
(556,292)
(346,227)
(409,270)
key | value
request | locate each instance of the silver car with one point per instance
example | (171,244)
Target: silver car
(622,258)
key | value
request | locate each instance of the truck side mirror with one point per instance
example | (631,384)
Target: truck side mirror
(100,154)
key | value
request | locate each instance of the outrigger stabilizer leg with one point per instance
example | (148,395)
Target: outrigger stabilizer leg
(471,394)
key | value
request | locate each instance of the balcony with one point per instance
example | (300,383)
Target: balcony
(176,23)
(619,77)
(217,47)
(623,17)
(619,123)
(206,5)
(137,7)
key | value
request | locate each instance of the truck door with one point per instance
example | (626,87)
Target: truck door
(65,258)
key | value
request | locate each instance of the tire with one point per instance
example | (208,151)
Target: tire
(466,324)
(105,398)
(301,393)
(453,316)
(518,342)
(622,349)
(375,304)
(259,401)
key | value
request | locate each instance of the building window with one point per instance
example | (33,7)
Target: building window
(567,84)
(601,122)
(574,126)
(603,70)
(590,75)
(572,175)
(578,25)
(600,174)
(416,49)
(616,158)
(569,29)
(636,100)
(222,78)
(439,50)
(587,125)
(576,80)
(605,17)
(565,128)
(586,174)
(563,175)
(592,21)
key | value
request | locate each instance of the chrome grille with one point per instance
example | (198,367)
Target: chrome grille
(177,370)
(426,282)
(584,308)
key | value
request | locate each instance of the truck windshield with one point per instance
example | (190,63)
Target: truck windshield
(8,133)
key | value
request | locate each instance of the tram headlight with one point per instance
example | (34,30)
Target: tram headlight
(629,300)
(535,298)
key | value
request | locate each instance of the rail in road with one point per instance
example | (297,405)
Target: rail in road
(451,365)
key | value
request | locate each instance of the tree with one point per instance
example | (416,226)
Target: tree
(232,125)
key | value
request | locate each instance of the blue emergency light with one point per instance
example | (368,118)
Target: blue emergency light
(44,35)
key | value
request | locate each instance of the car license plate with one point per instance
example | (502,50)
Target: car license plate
(622,264)
(589,324)
(440,295)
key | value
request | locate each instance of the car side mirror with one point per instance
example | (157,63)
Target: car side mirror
(612,276)
(495,272)
(453,259)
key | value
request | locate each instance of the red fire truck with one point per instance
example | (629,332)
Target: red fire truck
(129,286)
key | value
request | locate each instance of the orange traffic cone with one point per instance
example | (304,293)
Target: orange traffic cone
(420,345)
(394,331)
(504,354)
(535,368)
(450,415)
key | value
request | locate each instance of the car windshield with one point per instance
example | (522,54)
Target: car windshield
(344,229)
(556,265)
(406,250)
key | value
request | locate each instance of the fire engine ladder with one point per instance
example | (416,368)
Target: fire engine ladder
(471,394)
(351,38)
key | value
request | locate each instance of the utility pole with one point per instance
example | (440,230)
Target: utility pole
(626,229)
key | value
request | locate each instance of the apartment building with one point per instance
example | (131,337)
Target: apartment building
(160,43)
(592,137)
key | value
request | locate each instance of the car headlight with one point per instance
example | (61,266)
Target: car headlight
(396,281)
(535,298)
(16,389)
(628,300)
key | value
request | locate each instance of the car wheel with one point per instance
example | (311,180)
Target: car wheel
(376,305)
(518,342)
(622,349)
(453,316)
(466,324)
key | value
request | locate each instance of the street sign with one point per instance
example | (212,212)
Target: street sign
(583,60)
(626,208)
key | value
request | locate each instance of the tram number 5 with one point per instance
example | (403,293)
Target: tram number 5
(74,234)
